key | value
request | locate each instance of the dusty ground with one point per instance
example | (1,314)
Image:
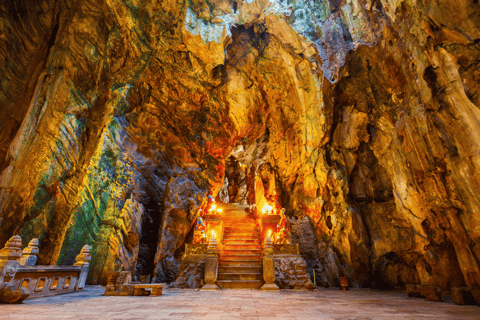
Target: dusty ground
(239,304)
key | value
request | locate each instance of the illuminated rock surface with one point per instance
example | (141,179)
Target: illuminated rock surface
(118,117)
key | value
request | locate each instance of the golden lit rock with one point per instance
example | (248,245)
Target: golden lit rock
(360,118)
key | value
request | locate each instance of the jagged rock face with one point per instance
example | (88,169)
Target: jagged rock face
(291,273)
(118,117)
(236,179)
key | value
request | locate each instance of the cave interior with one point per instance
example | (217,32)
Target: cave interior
(360,118)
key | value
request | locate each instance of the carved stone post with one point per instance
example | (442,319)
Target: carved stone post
(211,266)
(268,266)
(9,264)
(29,257)
(83,260)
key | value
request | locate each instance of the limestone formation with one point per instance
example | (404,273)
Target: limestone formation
(118,118)
(463,295)
(191,274)
(291,273)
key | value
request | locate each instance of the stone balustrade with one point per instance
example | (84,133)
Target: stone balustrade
(268,266)
(20,278)
(211,266)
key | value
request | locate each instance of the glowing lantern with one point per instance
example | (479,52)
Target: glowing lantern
(267,209)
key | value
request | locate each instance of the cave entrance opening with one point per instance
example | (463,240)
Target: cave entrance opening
(151,221)
(251,185)
(243,165)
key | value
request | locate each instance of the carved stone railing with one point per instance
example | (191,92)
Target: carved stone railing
(211,266)
(268,266)
(286,249)
(20,278)
(9,263)
(193,250)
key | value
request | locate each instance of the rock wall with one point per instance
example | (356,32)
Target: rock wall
(191,274)
(291,273)
(117,118)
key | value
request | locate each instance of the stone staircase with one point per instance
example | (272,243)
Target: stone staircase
(241,264)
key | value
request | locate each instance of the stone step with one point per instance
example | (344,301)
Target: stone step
(240,284)
(241,258)
(239,222)
(229,216)
(232,206)
(240,237)
(240,252)
(240,263)
(245,226)
(240,276)
(241,217)
(236,221)
(241,232)
(240,269)
(242,241)
(241,246)
(241,255)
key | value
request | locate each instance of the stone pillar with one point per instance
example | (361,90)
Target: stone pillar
(268,266)
(9,263)
(83,261)
(29,257)
(211,266)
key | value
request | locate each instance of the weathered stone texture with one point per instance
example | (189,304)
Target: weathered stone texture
(118,117)
(291,273)
(191,274)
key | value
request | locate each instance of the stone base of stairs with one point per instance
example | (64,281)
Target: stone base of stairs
(240,284)
(209,287)
(270,287)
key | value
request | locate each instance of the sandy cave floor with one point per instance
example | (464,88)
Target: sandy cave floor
(240,304)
